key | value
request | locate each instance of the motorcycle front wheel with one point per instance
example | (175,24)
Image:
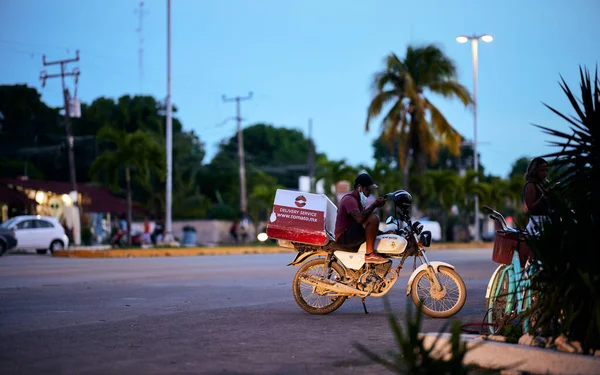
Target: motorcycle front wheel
(310,298)
(439,303)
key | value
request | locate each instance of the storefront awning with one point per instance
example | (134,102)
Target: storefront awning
(14,197)
(94,199)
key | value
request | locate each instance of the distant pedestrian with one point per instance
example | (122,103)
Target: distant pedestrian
(233,229)
(123,223)
(147,231)
(536,194)
(158,234)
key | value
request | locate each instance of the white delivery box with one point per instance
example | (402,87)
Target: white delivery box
(302,217)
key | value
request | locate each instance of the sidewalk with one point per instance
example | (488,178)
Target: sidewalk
(516,358)
(104,252)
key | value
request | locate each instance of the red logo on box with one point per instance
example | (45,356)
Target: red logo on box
(300,201)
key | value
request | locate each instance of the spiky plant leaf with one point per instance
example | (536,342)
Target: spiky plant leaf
(569,279)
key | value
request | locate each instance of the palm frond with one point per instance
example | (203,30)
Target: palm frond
(378,102)
(385,79)
(452,89)
(429,143)
(447,134)
(394,117)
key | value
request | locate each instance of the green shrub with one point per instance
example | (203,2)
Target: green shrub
(569,281)
(221,212)
(413,357)
(86,236)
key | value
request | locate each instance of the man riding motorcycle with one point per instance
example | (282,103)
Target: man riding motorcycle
(356,223)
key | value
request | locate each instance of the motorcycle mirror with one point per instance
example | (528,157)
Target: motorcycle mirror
(389,220)
(417,226)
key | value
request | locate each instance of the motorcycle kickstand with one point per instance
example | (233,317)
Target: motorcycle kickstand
(364,306)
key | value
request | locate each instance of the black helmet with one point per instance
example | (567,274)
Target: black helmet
(401,198)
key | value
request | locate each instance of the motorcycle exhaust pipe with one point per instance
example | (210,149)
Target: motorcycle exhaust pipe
(331,285)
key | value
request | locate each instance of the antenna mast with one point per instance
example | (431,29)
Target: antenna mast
(141,46)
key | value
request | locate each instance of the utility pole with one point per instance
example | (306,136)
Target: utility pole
(43,77)
(169,184)
(243,199)
(311,158)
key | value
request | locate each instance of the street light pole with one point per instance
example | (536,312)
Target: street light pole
(475,55)
(169,187)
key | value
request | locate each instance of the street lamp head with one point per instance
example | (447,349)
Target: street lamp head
(462,39)
(487,38)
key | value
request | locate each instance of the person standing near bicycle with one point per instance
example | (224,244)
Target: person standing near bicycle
(536,194)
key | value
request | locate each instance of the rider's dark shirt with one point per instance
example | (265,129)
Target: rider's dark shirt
(344,220)
(543,207)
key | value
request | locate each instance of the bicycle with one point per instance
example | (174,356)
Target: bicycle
(508,294)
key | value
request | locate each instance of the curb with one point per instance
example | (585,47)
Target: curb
(515,357)
(169,252)
(461,245)
(103,252)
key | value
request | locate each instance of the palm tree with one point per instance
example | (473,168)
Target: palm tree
(262,196)
(332,172)
(387,178)
(445,189)
(133,152)
(413,121)
(469,188)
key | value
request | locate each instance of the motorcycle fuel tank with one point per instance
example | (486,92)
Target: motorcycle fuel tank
(390,244)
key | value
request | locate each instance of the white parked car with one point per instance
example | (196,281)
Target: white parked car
(434,227)
(40,233)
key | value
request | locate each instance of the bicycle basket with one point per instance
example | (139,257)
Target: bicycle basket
(505,244)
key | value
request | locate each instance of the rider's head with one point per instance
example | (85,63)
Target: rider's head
(537,170)
(364,183)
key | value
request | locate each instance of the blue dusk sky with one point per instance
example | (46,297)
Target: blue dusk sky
(311,59)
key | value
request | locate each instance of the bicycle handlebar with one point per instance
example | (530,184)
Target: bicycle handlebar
(498,217)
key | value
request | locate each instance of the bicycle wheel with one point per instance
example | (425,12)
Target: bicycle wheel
(530,311)
(498,312)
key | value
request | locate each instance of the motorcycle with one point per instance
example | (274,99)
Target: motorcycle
(330,274)
(120,239)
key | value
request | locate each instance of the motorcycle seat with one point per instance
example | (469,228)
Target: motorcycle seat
(333,246)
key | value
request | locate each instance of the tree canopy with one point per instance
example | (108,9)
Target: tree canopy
(33,141)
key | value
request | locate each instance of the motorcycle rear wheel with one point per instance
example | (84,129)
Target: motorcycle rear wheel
(448,304)
(305,302)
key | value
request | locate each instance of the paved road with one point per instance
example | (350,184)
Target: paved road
(212,315)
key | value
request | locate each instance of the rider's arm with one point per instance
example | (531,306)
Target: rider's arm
(361,216)
(530,200)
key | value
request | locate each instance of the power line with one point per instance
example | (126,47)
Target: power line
(67,49)
(243,201)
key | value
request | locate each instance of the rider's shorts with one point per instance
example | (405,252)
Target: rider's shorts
(353,236)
